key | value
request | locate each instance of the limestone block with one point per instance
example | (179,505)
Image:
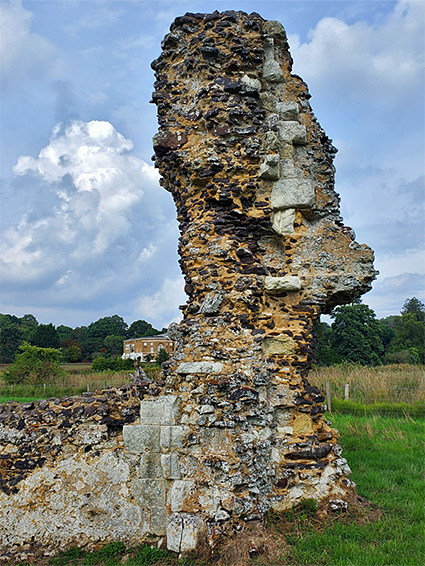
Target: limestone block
(194,530)
(283,221)
(292,193)
(200,367)
(251,84)
(141,438)
(269,168)
(288,110)
(150,465)
(150,495)
(184,532)
(292,132)
(170,466)
(276,285)
(173,437)
(271,68)
(287,169)
(282,345)
(271,141)
(161,411)
(178,493)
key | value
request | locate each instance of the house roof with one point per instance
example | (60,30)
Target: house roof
(156,337)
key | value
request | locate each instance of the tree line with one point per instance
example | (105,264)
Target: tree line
(357,336)
(103,337)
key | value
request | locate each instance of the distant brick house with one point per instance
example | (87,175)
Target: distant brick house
(147,345)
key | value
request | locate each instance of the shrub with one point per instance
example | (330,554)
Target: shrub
(35,365)
(114,364)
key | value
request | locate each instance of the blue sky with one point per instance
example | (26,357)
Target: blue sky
(87,232)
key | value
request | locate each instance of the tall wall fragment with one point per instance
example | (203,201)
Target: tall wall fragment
(263,251)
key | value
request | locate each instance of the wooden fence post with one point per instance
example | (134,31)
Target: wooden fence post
(347,391)
(328,397)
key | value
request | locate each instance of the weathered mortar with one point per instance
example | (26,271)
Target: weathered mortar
(235,429)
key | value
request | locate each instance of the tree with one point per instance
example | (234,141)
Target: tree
(71,351)
(416,307)
(113,345)
(325,354)
(356,334)
(35,365)
(162,356)
(28,324)
(108,326)
(409,333)
(11,337)
(64,333)
(141,328)
(46,336)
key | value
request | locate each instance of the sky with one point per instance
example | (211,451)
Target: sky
(86,230)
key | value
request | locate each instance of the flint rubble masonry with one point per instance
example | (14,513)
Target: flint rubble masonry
(234,429)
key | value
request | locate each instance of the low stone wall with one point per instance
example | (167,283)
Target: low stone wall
(65,477)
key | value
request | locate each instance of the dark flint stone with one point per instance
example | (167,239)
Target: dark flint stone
(90,410)
(20,425)
(78,411)
(315,452)
(210,52)
(214,16)
(27,406)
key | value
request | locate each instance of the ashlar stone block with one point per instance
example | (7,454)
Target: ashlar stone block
(173,437)
(150,465)
(288,110)
(184,532)
(199,367)
(269,168)
(281,345)
(150,495)
(276,285)
(271,68)
(139,439)
(292,193)
(293,132)
(283,221)
(170,466)
(178,493)
(161,411)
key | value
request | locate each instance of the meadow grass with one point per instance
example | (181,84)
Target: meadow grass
(395,383)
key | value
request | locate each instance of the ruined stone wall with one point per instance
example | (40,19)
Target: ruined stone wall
(235,429)
(263,251)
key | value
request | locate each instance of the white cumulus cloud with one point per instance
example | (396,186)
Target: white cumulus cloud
(95,226)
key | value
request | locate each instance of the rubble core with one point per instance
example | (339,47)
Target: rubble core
(234,429)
